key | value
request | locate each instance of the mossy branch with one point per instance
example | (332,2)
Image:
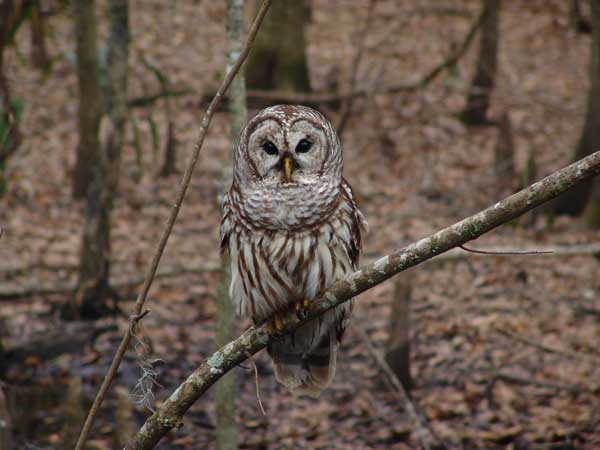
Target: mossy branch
(170,414)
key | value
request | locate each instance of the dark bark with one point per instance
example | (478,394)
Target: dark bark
(170,162)
(504,156)
(478,100)
(579,23)
(575,201)
(398,347)
(93,290)
(90,96)
(278,60)
(39,54)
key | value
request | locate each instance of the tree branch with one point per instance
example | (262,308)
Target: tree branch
(170,413)
(139,304)
(257,97)
(147,100)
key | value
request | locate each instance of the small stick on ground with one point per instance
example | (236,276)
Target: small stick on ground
(257,386)
(566,353)
(507,378)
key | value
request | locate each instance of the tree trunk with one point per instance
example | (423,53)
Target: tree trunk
(94,264)
(90,97)
(574,202)
(478,99)
(278,58)
(225,390)
(73,413)
(579,23)
(592,211)
(530,177)
(10,138)
(504,157)
(39,54)
(398,348)
(170,162)
(124,426)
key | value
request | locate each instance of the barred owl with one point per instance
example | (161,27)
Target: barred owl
(292,228)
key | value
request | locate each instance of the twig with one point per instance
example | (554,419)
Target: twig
(591,249)
(146,100)
(171,411)
(575,389)
(170,222)
(347,106)
(257,387)
(569,354)
(489,252)
(457,54)
(424,435)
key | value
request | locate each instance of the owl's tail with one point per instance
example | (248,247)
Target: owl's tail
(305,372)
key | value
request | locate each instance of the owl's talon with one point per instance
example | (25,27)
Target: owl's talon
(301,308)
(275,326)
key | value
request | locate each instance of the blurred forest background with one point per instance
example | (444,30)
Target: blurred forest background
(444,107)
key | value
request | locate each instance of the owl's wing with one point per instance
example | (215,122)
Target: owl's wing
(356,223)
(226,223)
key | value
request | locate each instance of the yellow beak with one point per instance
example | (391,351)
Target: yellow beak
(287,168)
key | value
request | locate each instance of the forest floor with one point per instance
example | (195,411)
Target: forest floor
(505,349)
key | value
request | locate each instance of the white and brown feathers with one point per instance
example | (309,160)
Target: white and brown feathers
(292,228)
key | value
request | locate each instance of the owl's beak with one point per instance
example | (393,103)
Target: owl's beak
(287,168)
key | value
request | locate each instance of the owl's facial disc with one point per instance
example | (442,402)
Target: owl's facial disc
(287,154)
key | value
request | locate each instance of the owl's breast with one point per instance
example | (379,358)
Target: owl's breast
(290,206)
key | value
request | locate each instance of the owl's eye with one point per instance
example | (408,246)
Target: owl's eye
(303,146)
(270,148)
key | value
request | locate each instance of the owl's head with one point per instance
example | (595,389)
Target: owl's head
(288,145)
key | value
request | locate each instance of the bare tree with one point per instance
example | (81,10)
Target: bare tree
(225,390)
(278,60)
(90,97)
(94,263)
(478,99)
(574,202)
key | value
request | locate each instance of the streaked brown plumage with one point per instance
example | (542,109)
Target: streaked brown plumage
(292,228)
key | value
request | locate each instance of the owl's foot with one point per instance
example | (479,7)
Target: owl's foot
(275,325)
(301,308)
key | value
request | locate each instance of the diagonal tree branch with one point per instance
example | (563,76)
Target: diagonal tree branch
(187,176)
(171,412)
